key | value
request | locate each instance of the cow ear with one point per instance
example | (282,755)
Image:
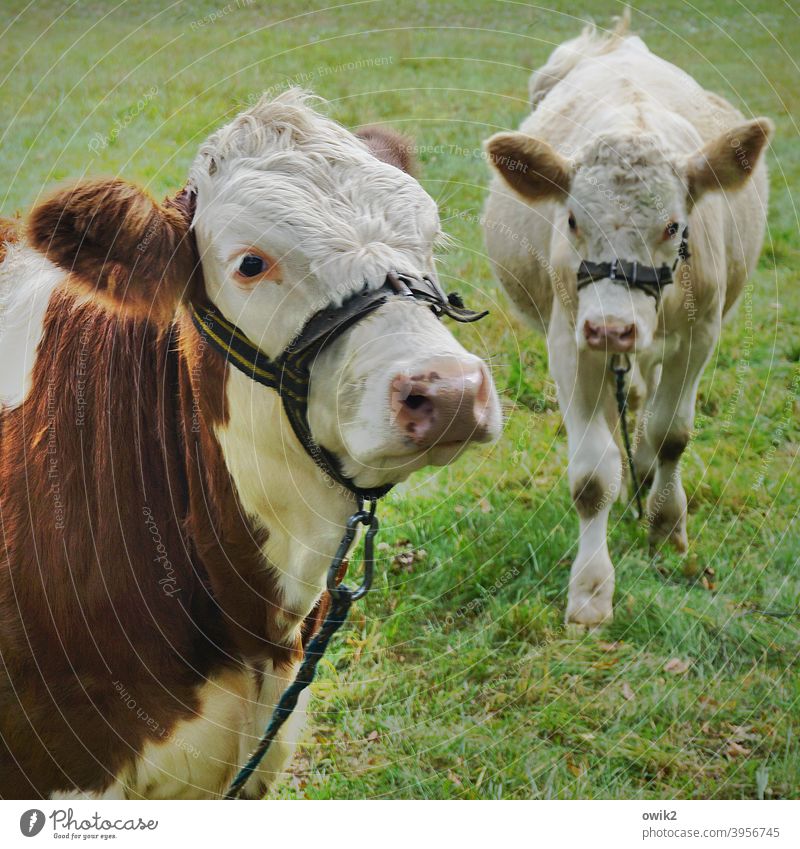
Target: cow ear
(727,161)
(530,166)
(134,255)
(391,147)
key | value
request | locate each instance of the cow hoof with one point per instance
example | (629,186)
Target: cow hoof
(670,533)
(591,591)
(574,631)
(588,611)
(679,542)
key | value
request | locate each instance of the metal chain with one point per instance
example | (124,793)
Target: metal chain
(621,365)
(342,598)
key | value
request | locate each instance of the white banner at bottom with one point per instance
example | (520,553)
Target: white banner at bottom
(420,824)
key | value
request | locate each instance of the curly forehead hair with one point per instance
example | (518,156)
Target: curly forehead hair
(624,156)
(278,125)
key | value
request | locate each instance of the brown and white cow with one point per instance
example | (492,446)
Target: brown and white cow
(622,151)
(164,534)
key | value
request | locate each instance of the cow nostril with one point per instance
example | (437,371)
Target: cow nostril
(414,402)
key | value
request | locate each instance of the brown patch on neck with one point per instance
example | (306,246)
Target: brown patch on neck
(129,573)
(224,537)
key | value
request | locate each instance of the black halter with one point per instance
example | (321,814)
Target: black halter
(649,279)
(290,374)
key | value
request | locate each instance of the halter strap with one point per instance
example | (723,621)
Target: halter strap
(645,277)
(634,275)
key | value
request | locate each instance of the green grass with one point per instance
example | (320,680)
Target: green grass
(456,678)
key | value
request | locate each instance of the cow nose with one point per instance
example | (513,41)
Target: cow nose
(618,338)
(445,401)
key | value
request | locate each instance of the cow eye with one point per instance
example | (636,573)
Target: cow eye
(251,265)
(671,229)
(573,224)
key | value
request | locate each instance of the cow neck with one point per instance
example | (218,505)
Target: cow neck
(226,540)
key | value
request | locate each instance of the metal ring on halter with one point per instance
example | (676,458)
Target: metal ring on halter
(370,520)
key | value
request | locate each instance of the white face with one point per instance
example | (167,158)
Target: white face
(295,215)
(635,213)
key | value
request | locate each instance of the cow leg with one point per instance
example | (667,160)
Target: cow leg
(669,423)
(594,470)
(644,454)
(270,688)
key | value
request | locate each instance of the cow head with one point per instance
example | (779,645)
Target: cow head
(623,197)
(291,213)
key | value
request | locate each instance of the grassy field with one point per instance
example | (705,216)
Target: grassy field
(457,678)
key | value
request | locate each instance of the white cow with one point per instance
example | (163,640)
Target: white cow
(622,151)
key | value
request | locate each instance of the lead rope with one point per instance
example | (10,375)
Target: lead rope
(621,365)
(342,597)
